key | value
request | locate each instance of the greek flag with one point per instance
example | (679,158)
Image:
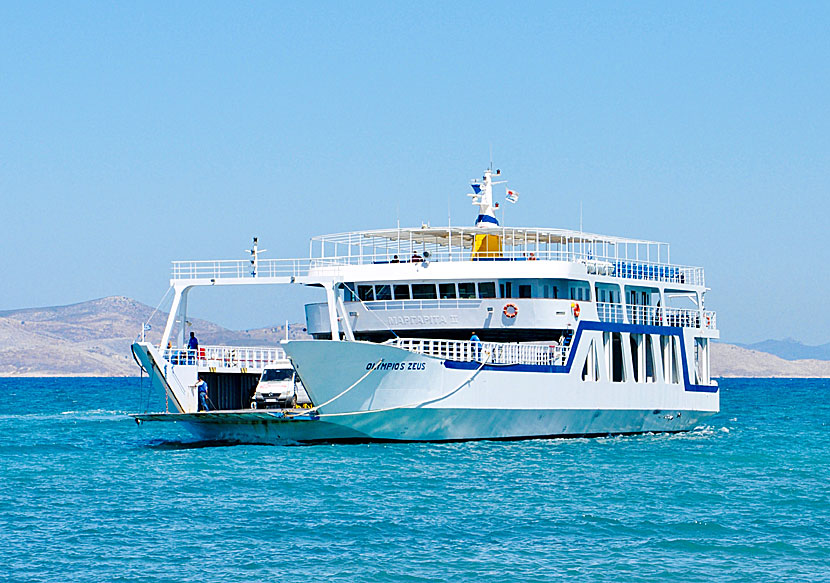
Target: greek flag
(512,196)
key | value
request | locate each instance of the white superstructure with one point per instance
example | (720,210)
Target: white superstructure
(578,334)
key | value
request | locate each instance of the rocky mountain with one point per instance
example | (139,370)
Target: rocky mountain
(791,349)
(93,338)
(729,360)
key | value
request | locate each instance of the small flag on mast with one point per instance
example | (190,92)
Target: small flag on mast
(512,196)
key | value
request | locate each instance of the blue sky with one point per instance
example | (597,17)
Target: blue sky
(138,133)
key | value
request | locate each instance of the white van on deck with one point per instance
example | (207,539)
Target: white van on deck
(279,388)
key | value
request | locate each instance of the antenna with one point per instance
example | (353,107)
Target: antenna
(255,252)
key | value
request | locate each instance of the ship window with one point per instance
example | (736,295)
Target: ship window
(579,293)
(547,291)
(555,292)
(383,292)
(423,291)
(348,292)
(401,292)
(487,289)
(365,293)
(446,291)
(524,291)
(466,290)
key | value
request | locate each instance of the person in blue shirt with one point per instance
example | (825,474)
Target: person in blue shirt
(202,387)
(476,345)
(192,344)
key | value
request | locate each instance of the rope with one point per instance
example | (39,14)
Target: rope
(413,405)
(360,380)
(157,308)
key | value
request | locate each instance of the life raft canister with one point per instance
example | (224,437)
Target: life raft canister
(511,310)
(575,309)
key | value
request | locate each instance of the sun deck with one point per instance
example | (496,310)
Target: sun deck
(612,256)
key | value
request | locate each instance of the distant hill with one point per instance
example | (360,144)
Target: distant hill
(729,360)
(791,349)
(93,338)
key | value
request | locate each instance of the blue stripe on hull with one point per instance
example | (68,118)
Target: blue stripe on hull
(594,326)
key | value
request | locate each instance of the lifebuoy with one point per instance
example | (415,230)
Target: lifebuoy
(511,311)
(575,309)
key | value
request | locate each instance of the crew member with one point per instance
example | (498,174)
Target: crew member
(203,394)
(476,345)
(192,344)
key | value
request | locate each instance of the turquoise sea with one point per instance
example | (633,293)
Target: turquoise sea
(87,495)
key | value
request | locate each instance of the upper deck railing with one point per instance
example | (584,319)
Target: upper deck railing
(485,352)
(287,268)
(239,269)
(657,316)
(253,357)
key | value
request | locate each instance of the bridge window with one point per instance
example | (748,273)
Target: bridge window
(524,291)
(365,293)
(487,289)
(423,291)
(383,292)
(467,290)
(446,291)
(401,292)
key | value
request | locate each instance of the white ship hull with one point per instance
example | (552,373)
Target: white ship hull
(398,395)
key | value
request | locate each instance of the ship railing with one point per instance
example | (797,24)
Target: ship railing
(610,312)
(689,318)
(657,316)
(490,352)
(287,268)
(624,269)
(240,269)
(254,357)
(444,304)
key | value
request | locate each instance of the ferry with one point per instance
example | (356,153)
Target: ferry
(455,333)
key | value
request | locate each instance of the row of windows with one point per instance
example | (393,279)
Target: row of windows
(451,291)
(420,291)
(487,289)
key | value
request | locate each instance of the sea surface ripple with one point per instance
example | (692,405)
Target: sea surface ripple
(86,495)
